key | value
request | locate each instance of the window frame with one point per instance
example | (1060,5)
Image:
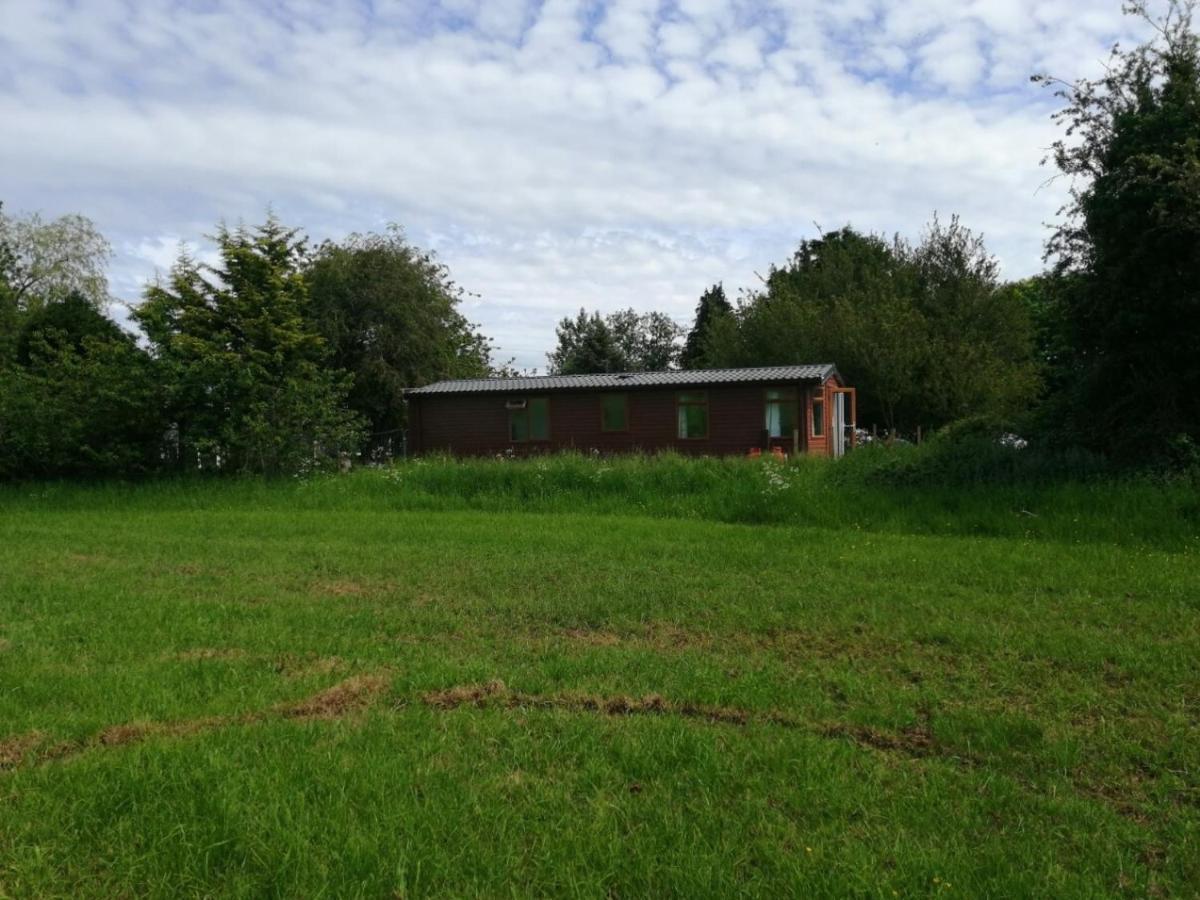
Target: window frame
(816,424)
(680,402)
(625,404)
(795,403)
(527,412)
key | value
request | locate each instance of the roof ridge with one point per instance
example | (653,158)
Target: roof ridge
(738,375)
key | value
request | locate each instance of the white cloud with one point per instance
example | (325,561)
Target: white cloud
(953,60)
(555,154)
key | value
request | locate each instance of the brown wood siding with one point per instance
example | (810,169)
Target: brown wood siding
(477,424)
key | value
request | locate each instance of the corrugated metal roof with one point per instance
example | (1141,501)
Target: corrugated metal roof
(692,378)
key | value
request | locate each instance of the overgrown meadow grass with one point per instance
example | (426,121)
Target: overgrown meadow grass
(897,490)
(577,676)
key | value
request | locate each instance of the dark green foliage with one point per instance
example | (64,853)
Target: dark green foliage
(250,390)
(923,332)
(980,341)
(977,450)
(9,315)
(713,307)
(623,341)
(9,323)
(1131,242)
(82,398)
(585,345)
(389,314)
(62,326)
(648,342)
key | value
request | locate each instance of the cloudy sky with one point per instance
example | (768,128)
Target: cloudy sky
(555,153)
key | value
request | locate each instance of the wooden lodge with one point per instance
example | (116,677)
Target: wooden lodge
(788,409)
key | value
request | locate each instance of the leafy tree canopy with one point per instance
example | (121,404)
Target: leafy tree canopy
(389,315)
(622,341)
(923,332)
(84,398)
(1130,240)
(246,365)
(42,262)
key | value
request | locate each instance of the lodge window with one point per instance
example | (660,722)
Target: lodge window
(528,419)
(781,412)
(818,417)
(614,412)
(692,414)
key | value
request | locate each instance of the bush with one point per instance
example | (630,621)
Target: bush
(975,450)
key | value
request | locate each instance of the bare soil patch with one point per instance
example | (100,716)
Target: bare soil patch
(341,588)
(592,637)
(347,697)
(352,695)
(496,693)
(915,740)
(205,653)
(14,749)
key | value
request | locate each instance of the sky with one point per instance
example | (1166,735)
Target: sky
(555,154)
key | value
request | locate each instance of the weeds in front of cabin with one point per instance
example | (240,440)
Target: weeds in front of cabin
(873,489)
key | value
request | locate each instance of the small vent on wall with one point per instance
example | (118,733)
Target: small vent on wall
(514,404)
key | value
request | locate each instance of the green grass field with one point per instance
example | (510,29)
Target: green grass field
(639,678)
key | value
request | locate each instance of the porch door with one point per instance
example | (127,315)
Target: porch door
(843,424)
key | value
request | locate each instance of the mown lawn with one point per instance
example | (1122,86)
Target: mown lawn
(343,689)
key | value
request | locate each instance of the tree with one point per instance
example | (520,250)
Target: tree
(9,315)
(586,344)
(979,339)
(389,314)
(622,341)
(713,306)
(649,342)
(81,399)
(1130,240)
(250,390)
(43,261)
(923,332)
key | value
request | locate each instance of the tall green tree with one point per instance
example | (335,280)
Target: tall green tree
(389,313)
(924,332)
(713,307)
(586,345)
(980,341)
(649,342)
(9,315)
(250,388)
(1130,240)
(622,341)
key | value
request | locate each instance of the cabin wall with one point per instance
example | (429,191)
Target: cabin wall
(477,424)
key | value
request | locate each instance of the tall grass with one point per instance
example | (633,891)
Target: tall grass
(899,490)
